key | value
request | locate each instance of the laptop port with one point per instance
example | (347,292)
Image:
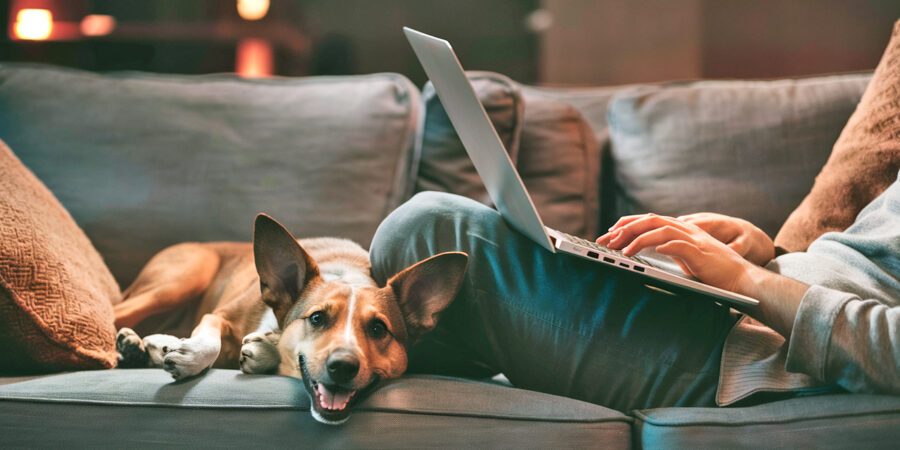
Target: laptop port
(623,265)
(609,260)
(639,268)
(594,255)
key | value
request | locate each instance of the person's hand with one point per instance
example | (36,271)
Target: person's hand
(697,252)
(738,234)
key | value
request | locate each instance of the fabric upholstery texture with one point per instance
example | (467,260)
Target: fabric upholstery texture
(445,166)
(559,162)
(226,407)
(592,103)
(56,294)
(869,145)
(832,421)
(144,161)
(745,149)
(552,145)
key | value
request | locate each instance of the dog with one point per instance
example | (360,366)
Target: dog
(308,309)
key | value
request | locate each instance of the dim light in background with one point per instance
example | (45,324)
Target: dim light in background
(33,24)
(97,25)
(252,9)
(254,58)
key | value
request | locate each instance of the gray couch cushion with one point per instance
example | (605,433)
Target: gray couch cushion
(143,161)
(747,149)
(228,408)
(559,162)
(445,166)
(592,103)
(830,421)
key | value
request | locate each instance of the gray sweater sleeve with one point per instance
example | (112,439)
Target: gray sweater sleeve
(847,329)
(842,339)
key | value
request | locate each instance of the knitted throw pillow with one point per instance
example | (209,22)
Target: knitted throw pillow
(863,163)
(56,294)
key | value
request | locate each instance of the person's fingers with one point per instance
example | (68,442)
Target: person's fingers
(643,225)
(625,220)
(655,237)
(740,245)
(605,238)
(685,253)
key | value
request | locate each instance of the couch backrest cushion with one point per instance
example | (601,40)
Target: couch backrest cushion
(445,166)
(749,149)
(143,161)
(592,104)
(559,162)
(551,143)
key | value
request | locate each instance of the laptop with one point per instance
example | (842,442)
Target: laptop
(508,193)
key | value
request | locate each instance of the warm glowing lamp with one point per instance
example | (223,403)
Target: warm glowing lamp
(254,58)
(33,24)
(97,25)
(252,9)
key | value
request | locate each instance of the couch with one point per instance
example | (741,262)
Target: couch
(142,161)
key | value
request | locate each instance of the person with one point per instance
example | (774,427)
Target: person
(827,321)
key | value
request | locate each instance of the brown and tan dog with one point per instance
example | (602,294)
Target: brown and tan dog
(307,309)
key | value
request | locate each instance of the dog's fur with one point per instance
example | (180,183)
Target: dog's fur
(307,309)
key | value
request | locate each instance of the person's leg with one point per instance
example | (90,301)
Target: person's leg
(550,322)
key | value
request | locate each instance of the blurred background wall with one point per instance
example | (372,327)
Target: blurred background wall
(556,42)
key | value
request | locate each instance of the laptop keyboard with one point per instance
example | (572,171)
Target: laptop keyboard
(595,246)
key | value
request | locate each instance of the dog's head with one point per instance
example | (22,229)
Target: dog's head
(342,339)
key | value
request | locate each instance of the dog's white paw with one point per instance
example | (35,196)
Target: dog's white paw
(259,354)
(158,345)
(183,358)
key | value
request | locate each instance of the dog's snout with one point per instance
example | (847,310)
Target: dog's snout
(342,366)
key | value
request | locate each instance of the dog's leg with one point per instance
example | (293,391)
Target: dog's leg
(170,279)
(259,353)
(184,358)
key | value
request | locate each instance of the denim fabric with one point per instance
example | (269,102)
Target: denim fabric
(549,322)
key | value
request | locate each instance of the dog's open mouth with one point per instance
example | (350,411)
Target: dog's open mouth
(331,403)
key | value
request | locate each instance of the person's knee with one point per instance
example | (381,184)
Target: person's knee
(428,223)
(423,213)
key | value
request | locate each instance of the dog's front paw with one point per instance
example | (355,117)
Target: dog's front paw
(182,358)
(158,345)
(258,354)
(131,350)
(191,356)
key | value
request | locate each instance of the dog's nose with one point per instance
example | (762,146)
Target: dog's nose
(342,366)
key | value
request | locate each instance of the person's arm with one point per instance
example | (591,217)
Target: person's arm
(833,336)
(713,262)
(841,338)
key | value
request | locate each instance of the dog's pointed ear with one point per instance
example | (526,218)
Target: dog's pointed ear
(284,267)
(426,288)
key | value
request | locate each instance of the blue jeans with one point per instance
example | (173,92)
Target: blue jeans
(552,322)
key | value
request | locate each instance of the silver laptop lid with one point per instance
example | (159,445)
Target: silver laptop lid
(478,136)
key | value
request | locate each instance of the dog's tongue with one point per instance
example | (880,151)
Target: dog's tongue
(333,400)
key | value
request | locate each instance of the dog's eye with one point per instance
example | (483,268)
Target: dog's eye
(377,329)
(317,318)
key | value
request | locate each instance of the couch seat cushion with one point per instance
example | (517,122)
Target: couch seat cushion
(143,161)
(228,408)
(828,421)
